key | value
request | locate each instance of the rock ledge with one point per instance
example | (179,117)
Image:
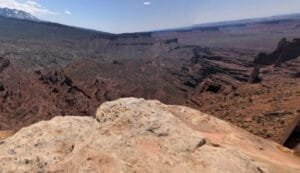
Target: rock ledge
(135,135)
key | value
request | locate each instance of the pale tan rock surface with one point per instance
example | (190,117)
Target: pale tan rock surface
(134,135)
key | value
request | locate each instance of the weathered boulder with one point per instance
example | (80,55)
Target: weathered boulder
(135,135)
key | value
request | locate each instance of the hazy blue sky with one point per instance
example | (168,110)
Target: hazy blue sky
(142,15)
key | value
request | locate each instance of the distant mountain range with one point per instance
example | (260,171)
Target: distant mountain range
(270,19)
(17,14)
(22,15)
(232,23)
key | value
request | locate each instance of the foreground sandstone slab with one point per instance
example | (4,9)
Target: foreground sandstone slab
(134,135)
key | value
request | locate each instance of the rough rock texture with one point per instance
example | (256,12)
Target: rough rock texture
(134,135)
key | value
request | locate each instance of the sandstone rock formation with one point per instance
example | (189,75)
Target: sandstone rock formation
(286,50)
(254,76)
(134,135)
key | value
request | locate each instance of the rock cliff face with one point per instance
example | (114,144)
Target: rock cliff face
(134,135)
(286,50)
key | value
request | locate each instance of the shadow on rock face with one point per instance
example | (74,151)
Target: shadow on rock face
(286,50)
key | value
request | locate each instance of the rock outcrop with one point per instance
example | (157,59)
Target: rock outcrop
(1,87)
(134,135)
(4,63)
(286,50)
(254,76)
